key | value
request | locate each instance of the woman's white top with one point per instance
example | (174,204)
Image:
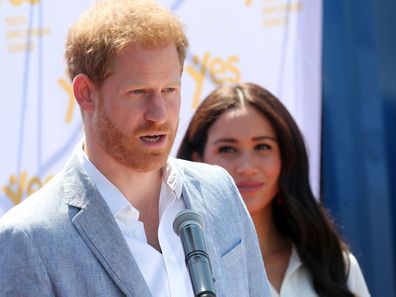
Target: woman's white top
(298,282)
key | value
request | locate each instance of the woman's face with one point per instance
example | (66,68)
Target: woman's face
(244,142)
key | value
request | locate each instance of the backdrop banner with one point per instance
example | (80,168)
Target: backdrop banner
(274,43)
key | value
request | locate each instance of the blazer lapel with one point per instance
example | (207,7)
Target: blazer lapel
(98,228)
(193,198)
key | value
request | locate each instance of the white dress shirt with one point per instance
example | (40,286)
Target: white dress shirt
(166,274)
(298,282)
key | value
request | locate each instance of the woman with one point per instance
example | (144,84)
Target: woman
(248,131)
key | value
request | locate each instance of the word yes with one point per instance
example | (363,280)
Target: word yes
(19,2)
(217,69)
(18,187)
(67,87)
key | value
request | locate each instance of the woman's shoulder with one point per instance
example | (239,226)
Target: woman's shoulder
(356,281)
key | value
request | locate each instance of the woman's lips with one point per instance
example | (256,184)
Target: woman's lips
(249,187)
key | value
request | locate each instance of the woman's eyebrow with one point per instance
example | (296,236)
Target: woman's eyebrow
(230,140)
(258,138)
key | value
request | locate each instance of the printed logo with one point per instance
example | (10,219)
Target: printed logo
(217,69)
(277,12)
(68,88)
(20,37)
(23,186)
(19,2)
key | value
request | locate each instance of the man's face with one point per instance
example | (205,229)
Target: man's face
(138,112)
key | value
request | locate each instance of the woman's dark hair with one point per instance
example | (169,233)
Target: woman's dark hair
(298,216)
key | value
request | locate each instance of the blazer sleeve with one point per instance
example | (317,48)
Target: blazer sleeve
(22,271)
(257,276)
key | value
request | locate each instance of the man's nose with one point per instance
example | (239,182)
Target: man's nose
(156,109)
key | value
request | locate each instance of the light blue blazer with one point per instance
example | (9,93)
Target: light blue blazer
(64,241)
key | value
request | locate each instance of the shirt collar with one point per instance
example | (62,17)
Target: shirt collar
(294,262)
(172,178)
(115,200)
(110,193)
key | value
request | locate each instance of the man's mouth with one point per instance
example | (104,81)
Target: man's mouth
(151,138)
(154,141)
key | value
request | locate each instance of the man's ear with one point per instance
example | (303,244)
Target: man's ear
(84,91)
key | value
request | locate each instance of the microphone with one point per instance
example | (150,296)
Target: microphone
(188,224)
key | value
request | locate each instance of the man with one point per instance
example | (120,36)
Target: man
(103,225)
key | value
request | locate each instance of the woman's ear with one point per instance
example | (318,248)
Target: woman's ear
(196,157)
(84,90)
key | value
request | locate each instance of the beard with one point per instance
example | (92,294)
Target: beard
(128,149)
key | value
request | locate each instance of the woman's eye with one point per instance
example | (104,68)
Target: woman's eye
(226,150)
(263,147)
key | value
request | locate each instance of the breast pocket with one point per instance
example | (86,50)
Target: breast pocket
(235,271)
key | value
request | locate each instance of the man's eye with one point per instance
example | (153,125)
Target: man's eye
(226,150)
(137,92)
(169,90)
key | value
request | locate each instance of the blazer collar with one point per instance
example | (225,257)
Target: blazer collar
(99,230)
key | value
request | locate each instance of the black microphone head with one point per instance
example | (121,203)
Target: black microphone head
(186,217)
